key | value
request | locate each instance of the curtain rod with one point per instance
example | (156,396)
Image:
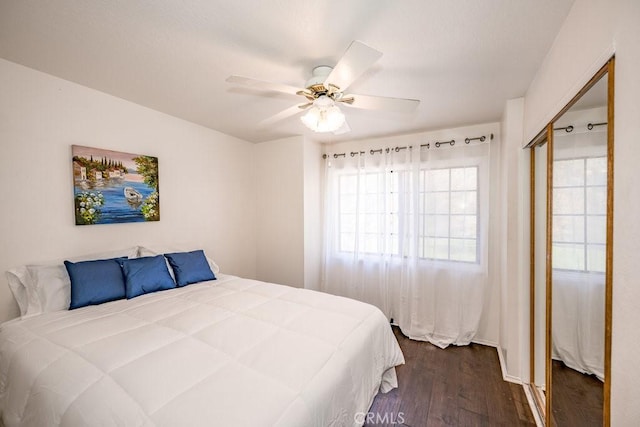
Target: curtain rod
(437,144)
(590,126)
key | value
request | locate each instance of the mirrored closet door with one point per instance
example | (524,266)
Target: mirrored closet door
(571,259)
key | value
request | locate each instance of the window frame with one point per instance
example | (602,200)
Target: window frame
(386,235)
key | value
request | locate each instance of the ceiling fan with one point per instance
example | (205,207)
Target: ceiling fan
(326,89)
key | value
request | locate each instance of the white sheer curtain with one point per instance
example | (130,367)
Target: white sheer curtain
(407,231)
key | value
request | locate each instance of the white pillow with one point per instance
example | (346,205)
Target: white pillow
(45,288)
(143,251)
(19,283)
(131,252)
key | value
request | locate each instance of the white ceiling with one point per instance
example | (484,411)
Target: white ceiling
(462,59)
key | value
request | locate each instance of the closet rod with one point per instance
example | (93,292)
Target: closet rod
(565,128)
(590,126)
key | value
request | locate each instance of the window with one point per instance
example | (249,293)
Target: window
(366,204)
(449,214)
(579,214)
(371,211)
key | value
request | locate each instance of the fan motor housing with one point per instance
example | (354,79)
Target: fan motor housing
(318,76)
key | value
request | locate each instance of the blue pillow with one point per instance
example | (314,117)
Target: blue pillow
(146,274)
(190,267)
(95,282)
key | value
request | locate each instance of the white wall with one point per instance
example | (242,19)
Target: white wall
(514,282)
(206,180)
(287,182)
(279,182)
(313,176)
(592,30)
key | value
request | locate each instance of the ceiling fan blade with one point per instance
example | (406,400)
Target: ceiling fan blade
(368,102)
(291,111)
(355,61)
(342,129)
(263,85)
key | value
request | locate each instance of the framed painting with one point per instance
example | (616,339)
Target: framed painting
(114,187)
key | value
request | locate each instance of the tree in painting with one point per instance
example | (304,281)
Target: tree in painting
(147,166)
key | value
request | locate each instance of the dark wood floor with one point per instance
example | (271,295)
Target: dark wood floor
(576,398)
(457,386)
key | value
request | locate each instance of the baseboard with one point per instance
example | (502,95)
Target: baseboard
(485,342)
(503,365)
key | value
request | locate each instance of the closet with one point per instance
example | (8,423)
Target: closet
(571,230)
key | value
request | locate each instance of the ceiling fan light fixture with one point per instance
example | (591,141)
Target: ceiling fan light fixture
(323,116)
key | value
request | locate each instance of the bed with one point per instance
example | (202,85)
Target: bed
(228,352)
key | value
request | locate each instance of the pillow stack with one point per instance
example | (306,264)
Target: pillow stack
(100,281)
(125,274)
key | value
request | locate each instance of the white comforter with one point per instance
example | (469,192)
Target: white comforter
(231,352)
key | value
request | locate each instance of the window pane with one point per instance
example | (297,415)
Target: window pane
(463,226)
(464,178)
(436,203)
(370,203)
(597,229)
(369,223)
(369,243)
(347,223)
(437,225)
(348,184)
(392,202)
(441,201)
(428,203)
(422,225)
(422,203)
(463,202)
(394,245)
(436,248)
(568,173)
(463,250)
(597,200)
(370,184)
(457,179)
(597,171)
(347,242)
(568,257)
(394,178)
(568,201)
(596,258)
(437,180)
(568,229)
(471,178)
(392,223)
(348,204)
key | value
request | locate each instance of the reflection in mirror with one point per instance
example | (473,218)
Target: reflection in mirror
(579,211)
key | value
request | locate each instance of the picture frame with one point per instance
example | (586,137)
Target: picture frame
(113,187)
